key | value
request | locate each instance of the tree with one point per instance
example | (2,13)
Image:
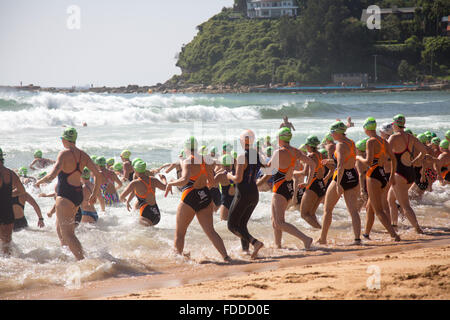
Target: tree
(406,72)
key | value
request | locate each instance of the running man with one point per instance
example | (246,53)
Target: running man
(144,188)
(195,199)
(10,187)
(402,145)
(69,191)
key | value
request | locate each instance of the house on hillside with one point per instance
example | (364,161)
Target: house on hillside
(401,13)
(271,8)
(445,26)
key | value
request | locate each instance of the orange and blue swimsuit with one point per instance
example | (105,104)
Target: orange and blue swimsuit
(350,178)
(197,199)
(376,171)
(318,185)
(280,184)
(146,210)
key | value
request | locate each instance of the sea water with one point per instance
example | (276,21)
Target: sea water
(153,127)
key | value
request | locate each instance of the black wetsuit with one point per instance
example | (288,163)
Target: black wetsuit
(245,200)
(6,203)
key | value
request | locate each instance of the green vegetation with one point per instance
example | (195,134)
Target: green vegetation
(326,37)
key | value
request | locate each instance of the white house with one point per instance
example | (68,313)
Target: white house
(271,8)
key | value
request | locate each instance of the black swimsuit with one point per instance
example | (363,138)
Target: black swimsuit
(65,190)
(405,171)
(20,223)
(6,209)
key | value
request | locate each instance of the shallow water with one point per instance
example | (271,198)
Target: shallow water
(153,127)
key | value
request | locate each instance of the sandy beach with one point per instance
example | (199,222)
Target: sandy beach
(416,268)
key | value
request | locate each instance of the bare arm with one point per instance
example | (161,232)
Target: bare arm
(34,204)
(158,184)
(127,191)
(17,185)
(98,179)
(54,173)
(240,168)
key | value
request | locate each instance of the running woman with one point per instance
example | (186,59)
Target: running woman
(442,165)
(195,199)
(9,181)
(69,191)
(377,151)
(88,212)
(144,188)
(345,182)
(402,145)
(128,170)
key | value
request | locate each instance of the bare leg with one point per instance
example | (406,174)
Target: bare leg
(6,231)
(205,218)
(370,219)
(223,213)
(331,199)
(351,200)
(185,214)
(376,196)
(65,214)
(310,201)
(401,193)
(279,204)
(393,207)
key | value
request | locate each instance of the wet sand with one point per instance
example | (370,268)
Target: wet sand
(416,268)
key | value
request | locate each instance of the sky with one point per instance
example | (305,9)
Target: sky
(64,43)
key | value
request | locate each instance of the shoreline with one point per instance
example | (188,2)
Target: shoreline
(226,89)
(414,255)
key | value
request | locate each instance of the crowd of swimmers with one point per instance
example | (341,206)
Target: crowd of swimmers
(380,173)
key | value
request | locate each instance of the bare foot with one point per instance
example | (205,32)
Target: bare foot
(419,230)
(227,259)
(357,242)
(258,245)
(308,243)
(397,238)
(312,220)
(322,241)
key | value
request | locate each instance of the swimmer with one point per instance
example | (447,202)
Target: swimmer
(195,199)
(108,189)
(402,145)
(88,212)
(23,174)
(39,162)
(144,188)
(442,165)
(345,181)
(422,180)
(287,124)
(227,186)
(128,170)
(69,191)
(247,194)
(315,187)
(377,151)
(20,221)
(10,187)
(284,160)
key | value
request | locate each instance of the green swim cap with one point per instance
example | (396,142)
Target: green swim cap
(136,160)
(23,171)
(433,134)
(213,150)
(285,134)
(268,138)
(42,174)
(226,147)
(447,135)
(312,141)
(269,151)
(38,154)
(436,141)
(361,145)
(101,161)
(324,152)
(70,134)
(427,133)
(191,143)
(370,124)
(399,121)
(203,150)
(86,174)
(338,127)
(328,137)
(110,162)
(118,166)
(235,155)
(422,138)
(444,144)
(94,158)
(303,148)
(125,154)
(140,167)
(226,160)
(182,154)
(408,131)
